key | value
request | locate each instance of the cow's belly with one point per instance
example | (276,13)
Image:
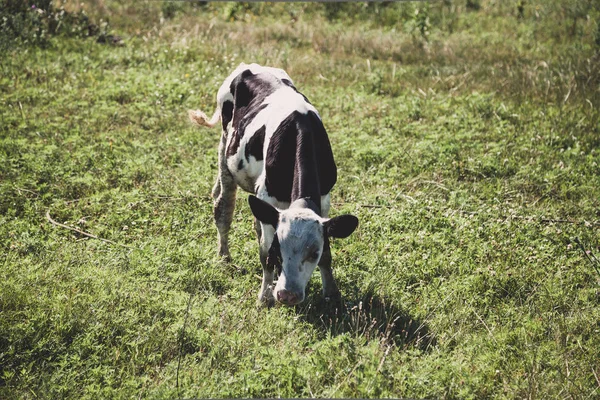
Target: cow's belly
(245,172)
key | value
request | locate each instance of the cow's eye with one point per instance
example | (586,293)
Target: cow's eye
(313,256)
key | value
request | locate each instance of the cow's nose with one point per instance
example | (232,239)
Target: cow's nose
(287,297)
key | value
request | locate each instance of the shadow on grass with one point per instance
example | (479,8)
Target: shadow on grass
(369,315)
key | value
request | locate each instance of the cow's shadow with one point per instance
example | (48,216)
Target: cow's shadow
(368,315)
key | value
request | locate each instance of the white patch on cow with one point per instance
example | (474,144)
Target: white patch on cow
(282,103)
(224,93)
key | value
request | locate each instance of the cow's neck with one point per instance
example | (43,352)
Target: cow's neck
(306,183)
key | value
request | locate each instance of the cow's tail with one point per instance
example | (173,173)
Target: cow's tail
(200,119)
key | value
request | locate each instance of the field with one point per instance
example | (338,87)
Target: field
(467,139)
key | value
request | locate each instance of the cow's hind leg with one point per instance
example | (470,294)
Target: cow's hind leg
(216,190)
(224,195)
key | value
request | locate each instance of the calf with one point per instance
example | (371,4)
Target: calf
(274,146)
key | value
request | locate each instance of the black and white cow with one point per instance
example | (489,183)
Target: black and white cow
(274,145)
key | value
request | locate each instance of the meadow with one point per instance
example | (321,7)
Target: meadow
(467,139)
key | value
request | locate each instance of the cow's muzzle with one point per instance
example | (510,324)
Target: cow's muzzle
(289,298)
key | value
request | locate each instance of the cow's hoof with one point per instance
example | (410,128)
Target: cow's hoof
(334,304)
(266,299)
(225,257)
(332,297)
(265,303)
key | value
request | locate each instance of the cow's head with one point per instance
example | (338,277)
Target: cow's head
(300,238)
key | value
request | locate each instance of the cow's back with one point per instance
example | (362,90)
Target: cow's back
(276,143)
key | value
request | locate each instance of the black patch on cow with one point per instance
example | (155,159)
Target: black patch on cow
(249,93)
(299,160)
(239,132)
(226,113)
(241,165)
(255,144)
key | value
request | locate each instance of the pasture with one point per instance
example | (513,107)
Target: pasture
(467,140)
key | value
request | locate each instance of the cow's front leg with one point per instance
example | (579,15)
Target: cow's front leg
(258,230)
(265,237)
(224,195)
(330,289)
(265,296)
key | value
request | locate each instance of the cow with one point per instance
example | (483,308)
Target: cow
(274,146)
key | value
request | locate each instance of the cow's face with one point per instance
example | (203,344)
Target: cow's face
(299,242)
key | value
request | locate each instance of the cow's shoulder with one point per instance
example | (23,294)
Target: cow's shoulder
(299,146)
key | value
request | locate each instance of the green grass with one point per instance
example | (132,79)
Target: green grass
(467,143)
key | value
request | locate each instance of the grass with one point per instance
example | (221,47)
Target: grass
(467,143)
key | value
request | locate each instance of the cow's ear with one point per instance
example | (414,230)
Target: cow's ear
(263,211)
(341,226)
